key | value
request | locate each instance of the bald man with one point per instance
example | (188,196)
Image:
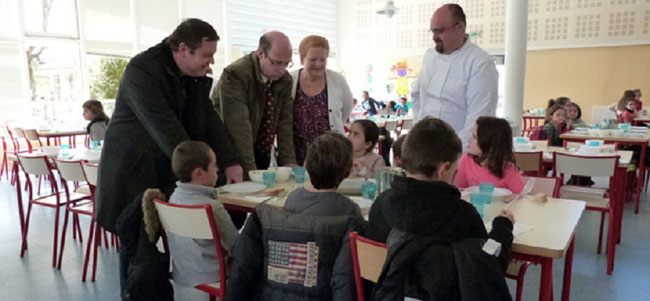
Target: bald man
(253,97)
(458,80)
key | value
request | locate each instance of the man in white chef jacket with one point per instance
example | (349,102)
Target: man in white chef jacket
(458,80)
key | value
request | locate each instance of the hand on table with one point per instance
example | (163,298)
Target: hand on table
(507,214)
(234,174)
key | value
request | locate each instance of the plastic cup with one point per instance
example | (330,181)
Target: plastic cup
(487,189)
(479,200)
(65,151)
(299,174)
(268,177)
(369,190)
(94,145)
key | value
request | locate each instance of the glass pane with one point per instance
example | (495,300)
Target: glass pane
(56,17)
(105,73)
(54,73)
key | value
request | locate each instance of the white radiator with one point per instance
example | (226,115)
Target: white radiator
(600,114)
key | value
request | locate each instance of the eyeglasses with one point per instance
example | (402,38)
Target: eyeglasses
(275,63)
(442,30)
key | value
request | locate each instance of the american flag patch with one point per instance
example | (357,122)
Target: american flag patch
(293,263)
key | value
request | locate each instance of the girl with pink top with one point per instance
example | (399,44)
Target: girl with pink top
(364,135)
(489,158)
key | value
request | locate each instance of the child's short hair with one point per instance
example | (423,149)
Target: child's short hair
(370,132)
(188,156)
(397,146)
(329,160)
(494,137)
(575,105)
(551,110)
(429,143)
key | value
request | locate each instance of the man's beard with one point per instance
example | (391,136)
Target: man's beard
(440,48)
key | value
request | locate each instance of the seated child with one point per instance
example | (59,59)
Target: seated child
(489,157)
(94,112)
(554,125)
(426,204)
(364,135)
(397,150)
(308,218)
(402,108)
(574,114)
(639,103)
(629,110)
(195,261)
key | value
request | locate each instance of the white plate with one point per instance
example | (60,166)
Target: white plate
(498,192)
(244,187)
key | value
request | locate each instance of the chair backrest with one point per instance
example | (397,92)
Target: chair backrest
(70,170)
(529,161)
(35,165)
(368,258)
(90,172)
(548,185)
(193,221)
(588,166)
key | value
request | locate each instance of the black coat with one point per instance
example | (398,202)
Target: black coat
(155,110)
(424,208)
(430,268)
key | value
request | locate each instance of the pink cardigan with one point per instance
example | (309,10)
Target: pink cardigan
(471,174)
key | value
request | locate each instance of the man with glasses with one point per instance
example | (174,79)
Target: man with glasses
(458,80)
(253,97)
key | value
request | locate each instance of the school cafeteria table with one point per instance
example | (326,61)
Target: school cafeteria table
(56,135)
(642,141)
(551,234)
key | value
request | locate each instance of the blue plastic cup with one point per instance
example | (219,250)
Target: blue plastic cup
(369,190)
(268,177)
(299,174)
(94,145)
(479,200)
(488,190)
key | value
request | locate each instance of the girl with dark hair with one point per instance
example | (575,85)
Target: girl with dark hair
(574,113)
(94,112)
(489,158)
(364,135)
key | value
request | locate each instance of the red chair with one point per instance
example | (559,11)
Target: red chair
(71,170)
(197,222)
(38,165)
(368,258)
(598,199)
(530,123)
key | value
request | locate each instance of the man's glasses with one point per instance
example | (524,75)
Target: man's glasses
(275,63)
(442,30)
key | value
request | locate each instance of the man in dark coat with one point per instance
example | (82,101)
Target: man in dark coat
(162,101)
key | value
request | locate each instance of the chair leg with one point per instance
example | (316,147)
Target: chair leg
(97,239)
(56,236)
(74,227)
(600,233)
(117,243)
(24,244)
(65,227)
(88,250)
(105,239)
(5,168)
(78,223)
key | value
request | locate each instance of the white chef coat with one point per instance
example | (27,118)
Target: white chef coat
(458,88)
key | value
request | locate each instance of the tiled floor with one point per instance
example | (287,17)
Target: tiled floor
(33,278)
